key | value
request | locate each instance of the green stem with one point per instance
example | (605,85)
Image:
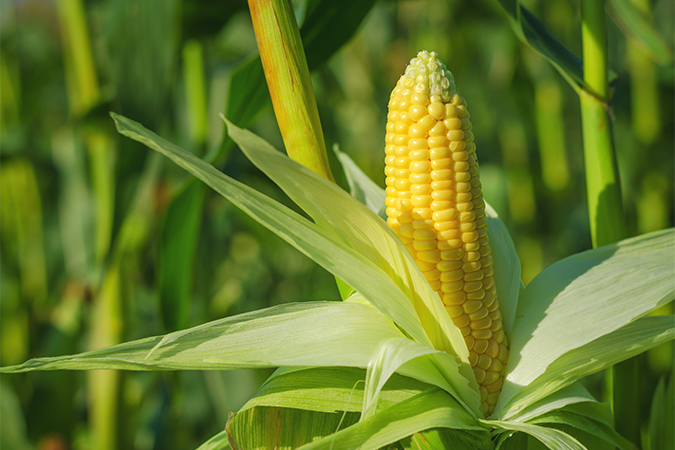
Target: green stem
(605,207)
(290,86)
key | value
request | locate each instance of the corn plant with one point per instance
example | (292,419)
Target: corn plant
(437,343)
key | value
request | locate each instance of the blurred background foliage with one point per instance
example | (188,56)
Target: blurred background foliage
(102,241)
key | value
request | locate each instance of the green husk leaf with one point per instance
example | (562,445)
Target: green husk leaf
(361,186)
(566,306)
(350,222)
(328,251)
(430,409)
(421,362)
(506,266)
(444,438)
(552,438)
(300,334)
(506,262)
(217,442)
(595,428)
(329,389)
(605,351)
(569,395)
(268,427)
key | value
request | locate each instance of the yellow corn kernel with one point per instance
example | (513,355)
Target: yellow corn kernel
(435,204)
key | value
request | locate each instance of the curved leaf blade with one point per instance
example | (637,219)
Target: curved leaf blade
(550,437)
(430,409)
(329,389)
(299,334)
(357,271)
(584,297)
(604,352)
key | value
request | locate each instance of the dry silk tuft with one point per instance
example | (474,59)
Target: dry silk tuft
(435,205)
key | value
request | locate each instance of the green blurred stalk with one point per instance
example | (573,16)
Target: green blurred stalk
(101,163)
(83,90)
(551,134)
(290,86)
(195,90)
(103,385)
(604,190)
(643,88)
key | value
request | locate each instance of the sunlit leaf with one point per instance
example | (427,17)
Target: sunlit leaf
(361,274)
(574,393)
(361,186)
(584,297)
(329,389)
(269,427)
(430,409)
(419,361)
(300,334)
(629,341)
(217,442)
(554,439)
(339,214)
(600,430)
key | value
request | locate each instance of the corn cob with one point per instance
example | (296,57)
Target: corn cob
(435,205)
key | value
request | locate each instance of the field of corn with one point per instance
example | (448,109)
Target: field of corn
(402,298)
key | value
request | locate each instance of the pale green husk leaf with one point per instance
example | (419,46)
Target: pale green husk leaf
(604,352)
(217,442)
(329,389)
(356,227)
(574,393)
(554,439)
(430,409)
(416,360)
(506,262)
(568,304)
(331,253)
(361,186)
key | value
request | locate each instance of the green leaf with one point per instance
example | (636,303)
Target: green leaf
(444,438)
(595,428)
(605,351)
(506,266)
(638,29)
(533,33)
(361,186)
(430,409)
(420,362)
(299,334)
(217,442)
(552,438)
(584,297)
(282,428)
(326,28)
(572,394)
(329,389)
(362,275)
(506,262)
(357,228)
(180,234)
